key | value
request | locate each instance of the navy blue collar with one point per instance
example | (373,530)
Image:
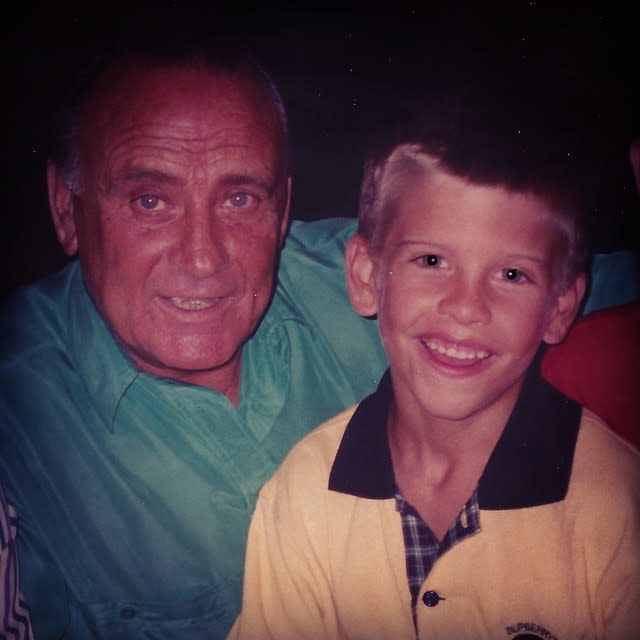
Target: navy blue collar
(530,465)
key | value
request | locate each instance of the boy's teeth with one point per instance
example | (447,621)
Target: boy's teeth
(190,304)
(461,353)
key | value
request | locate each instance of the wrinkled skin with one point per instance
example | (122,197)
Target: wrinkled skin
(180,216)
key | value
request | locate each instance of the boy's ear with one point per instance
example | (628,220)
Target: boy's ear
(61,205)
(564,310)
(360,275)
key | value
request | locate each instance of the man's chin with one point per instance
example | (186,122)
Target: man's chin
(187,362)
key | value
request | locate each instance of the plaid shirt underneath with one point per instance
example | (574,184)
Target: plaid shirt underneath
(422,548)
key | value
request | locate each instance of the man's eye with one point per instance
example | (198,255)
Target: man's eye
(240,200)
(148,201)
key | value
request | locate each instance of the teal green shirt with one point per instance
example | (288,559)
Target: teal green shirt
(134,493)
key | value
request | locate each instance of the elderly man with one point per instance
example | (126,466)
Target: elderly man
(154,384)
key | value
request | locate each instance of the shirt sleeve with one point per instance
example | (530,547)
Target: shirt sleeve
(311,279)
(15,618)
(618,590)
(614,280)
(41,585)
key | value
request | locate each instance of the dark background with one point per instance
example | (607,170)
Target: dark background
(335,67)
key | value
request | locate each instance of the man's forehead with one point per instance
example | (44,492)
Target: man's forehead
(140,88)
(184,105)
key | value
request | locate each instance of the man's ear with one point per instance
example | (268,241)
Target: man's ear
(360,272)
(564,310)
(61,204)
(284,223)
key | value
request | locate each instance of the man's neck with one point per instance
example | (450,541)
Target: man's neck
(224,379)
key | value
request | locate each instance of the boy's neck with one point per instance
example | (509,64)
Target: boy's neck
(437,463)
(428,436)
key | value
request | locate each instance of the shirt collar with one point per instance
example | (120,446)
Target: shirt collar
(102,365)
(530,465)
(108,372)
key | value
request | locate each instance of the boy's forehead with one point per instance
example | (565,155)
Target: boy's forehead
(435,187)
(409,167)
(452,208)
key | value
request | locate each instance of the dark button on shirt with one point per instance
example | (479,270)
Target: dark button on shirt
(431,598)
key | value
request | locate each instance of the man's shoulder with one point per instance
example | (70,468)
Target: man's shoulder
(34,317)
(316,244)
(311,270)
(318,236)
(312,288)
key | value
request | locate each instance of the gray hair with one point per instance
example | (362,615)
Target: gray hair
(71,119)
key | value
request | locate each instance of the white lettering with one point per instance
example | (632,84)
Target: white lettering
(529,627)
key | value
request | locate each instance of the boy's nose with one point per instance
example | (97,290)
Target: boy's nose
(466,302)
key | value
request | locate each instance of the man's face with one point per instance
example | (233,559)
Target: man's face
(181,217)
(464,289)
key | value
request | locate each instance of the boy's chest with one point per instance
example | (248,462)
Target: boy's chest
(438,501)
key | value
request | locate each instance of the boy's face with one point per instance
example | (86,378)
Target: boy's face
(464,285)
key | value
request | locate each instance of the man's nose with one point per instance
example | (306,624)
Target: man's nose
(203,242)
(466,301)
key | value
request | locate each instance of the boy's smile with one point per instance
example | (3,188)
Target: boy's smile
(456,358)
(465,290)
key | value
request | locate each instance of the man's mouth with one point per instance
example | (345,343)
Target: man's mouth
(193,304)
(455,351)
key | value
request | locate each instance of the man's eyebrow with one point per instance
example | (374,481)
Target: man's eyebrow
(159,177)
(238,179)
(151,175)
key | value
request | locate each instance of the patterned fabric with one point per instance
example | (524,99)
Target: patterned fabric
(422,548)
(15,620)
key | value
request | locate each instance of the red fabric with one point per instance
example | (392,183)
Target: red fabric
(599,366)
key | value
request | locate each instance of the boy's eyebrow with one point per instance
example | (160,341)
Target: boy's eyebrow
(410,243)
(541,260)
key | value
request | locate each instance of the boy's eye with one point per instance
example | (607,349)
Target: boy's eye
(511,274)
(430,260)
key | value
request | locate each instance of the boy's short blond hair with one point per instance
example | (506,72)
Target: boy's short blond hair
(515,146)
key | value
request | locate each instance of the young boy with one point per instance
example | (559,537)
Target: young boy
(465,498)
